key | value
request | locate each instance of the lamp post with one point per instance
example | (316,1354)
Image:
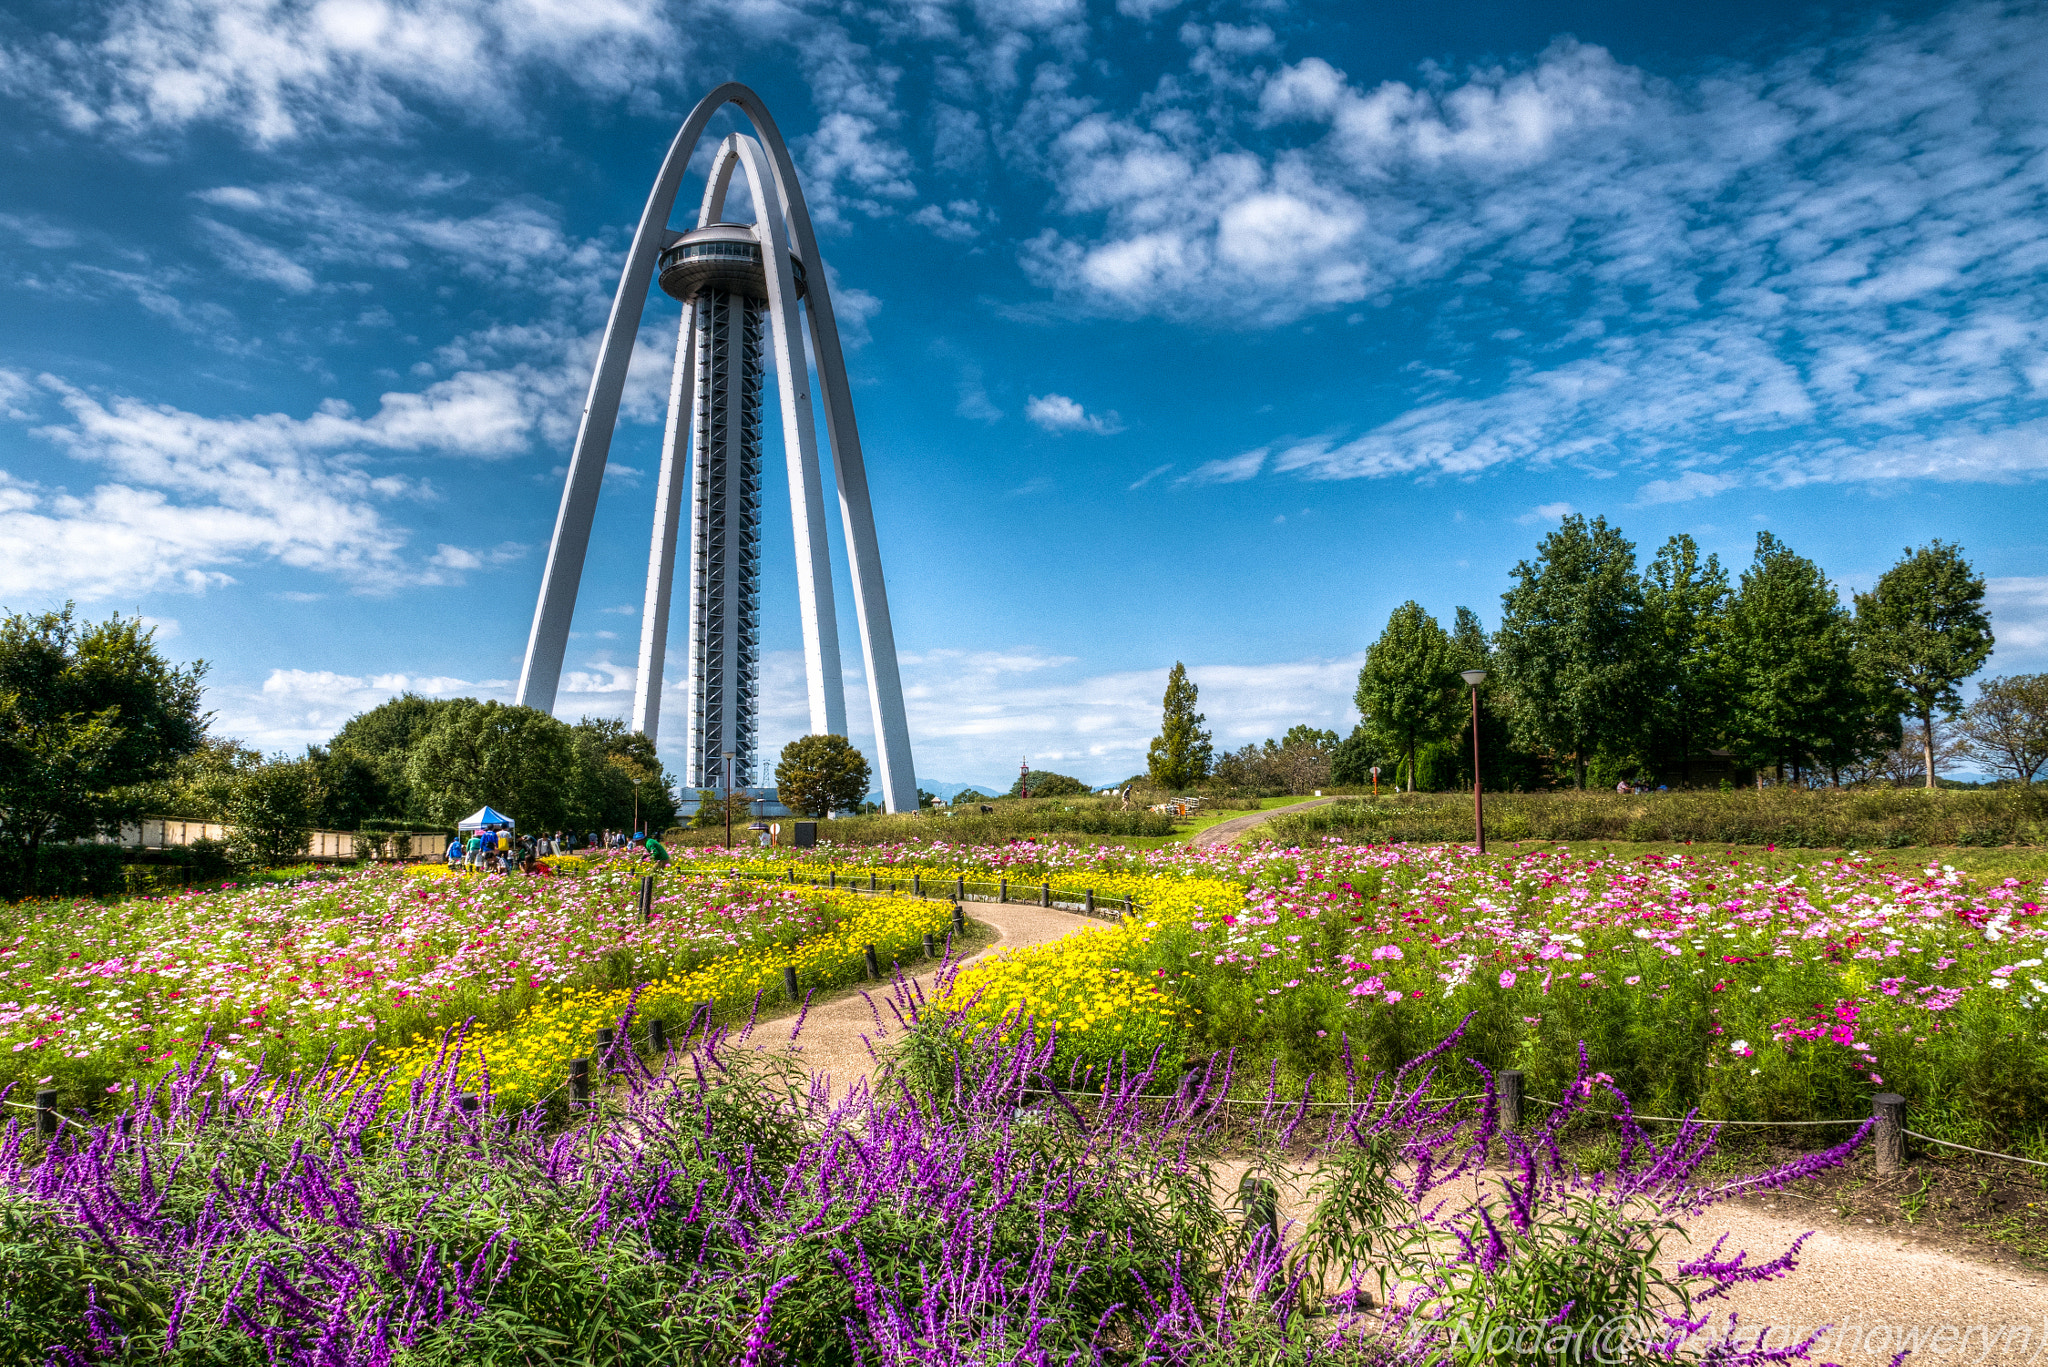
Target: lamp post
(728,800)
(1474,677)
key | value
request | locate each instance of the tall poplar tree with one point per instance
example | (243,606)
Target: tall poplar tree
(1684,598)
(1923,630)
(1405,688)
(1570,642)
(1799,699)
(1180,754)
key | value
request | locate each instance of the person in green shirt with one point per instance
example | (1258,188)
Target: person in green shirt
(474,849)
(656,851)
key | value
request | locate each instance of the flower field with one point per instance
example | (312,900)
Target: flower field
(94,996)
(1749,987)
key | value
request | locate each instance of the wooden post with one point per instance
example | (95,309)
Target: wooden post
(1890,1110)
(1091,901)
(1002,889)
(647,899)
(657,1035)
(867,952)
(1127,906)
(46,1114)
(579,1081)
(959,920)
(468,1102)
(1259,1200)
(789,982)
(606,1039)
(931,948)
(834,879)
(917,885)
(960,888)
(1045,894)
(871,880)
(1510,1095)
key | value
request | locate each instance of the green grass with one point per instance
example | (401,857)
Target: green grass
(1184,831)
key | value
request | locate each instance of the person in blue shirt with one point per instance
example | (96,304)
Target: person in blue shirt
(455,851)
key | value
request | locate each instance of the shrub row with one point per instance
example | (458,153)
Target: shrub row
(1857,818)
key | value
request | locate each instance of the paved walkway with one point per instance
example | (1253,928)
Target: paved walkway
(834,1042)
(1229,832)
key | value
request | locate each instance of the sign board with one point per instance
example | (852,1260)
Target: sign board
(806,835)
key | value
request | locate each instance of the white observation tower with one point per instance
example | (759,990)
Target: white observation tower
(740,285)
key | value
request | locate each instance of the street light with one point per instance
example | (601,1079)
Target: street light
(730,798)
(1475,677)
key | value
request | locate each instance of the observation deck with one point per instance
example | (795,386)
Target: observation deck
(720,256)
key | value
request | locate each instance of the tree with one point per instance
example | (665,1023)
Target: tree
(1686,684)
(88,715)
(383,738)
(819,775)
(1352,761)
(1046,783)
(1923,630)
(518,759)
(352,788)
(1798,698)
(965,796)
(1569,646)
(1405,687)
(713,811)
(1180,754)
(2006,727)
(271,810)
(627,778)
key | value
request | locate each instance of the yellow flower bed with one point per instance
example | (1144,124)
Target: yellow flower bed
(560,863)
(529,1059)
(1084,986)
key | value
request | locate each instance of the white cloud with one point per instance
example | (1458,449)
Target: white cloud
(1684,487)
(1546,512)
(1227,470)
(278,72)
(1058,413)
(1814,261)
(191,498)
(1154,473)
(2019,619)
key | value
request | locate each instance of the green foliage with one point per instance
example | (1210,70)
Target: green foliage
(271,810)
(712,813)
(1408,686)
(514,758)
(1569,648)
(1011,819)
(1180,755)
(88,714)
(2006,727)
(1923,630)
(1687,692)
(1046,783)
(819,775)
(1352,760)
(1799,698)
(623,777)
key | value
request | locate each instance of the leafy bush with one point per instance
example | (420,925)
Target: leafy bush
(1010,820)
(723,1210)
(67,871)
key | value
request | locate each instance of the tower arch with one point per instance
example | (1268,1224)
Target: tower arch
(787,244)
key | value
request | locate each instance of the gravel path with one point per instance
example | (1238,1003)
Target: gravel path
(1881,1291)
(1228,832)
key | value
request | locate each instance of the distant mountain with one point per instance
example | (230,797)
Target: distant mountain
(950,790)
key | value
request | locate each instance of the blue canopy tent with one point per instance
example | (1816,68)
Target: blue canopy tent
(484,818)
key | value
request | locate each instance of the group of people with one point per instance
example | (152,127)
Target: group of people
(500,850)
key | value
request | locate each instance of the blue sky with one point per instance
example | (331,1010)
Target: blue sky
(1189,331)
